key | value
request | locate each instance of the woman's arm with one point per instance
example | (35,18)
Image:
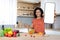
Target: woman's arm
(29,26)
(32,26)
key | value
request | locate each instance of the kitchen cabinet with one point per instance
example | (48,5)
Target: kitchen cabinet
(26,9)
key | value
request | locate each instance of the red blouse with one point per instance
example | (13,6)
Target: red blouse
(38,25)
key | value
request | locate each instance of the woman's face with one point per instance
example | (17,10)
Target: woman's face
(38,13)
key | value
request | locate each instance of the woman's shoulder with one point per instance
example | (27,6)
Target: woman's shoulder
(36,18)
(33,19)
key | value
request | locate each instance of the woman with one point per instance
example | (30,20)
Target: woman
(38,21)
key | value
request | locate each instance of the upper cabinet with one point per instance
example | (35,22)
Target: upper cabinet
(26,9)
(31,1)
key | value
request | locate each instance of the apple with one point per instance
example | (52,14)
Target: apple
(10,32)
(17,31)
(6,34)
(14,34)
(9,35)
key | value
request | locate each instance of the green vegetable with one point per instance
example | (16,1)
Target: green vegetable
(6,30)
(1,33)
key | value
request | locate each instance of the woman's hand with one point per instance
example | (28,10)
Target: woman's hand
(54,15)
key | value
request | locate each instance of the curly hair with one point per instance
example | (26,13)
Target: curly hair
(37,8)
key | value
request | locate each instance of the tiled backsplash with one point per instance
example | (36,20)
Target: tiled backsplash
(26,20)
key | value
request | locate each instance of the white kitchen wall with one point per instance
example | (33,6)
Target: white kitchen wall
(56,25)
(8,12)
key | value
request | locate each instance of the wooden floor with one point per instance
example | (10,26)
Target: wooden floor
(26,36)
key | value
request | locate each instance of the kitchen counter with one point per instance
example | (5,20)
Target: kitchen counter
(26,36)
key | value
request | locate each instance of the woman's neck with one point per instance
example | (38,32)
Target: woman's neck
(38,17)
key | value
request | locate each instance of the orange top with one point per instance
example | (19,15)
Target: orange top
(38,25)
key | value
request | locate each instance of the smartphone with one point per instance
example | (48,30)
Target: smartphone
(49,12)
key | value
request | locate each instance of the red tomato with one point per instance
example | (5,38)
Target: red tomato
(6,34)
(9,35)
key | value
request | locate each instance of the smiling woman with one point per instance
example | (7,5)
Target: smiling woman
(38,21)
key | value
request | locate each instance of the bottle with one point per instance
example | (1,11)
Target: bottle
(16,25)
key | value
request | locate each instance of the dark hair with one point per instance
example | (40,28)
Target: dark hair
(37,8)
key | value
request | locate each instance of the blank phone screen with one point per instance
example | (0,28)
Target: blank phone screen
(49,13)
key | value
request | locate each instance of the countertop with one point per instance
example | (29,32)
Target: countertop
(26,36)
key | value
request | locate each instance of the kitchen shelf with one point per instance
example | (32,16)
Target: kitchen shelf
(26,8)
(25,16)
